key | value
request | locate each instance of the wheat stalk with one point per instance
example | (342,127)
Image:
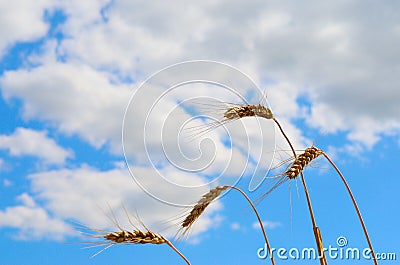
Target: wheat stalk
(355,206)
(316,230)
(238,112)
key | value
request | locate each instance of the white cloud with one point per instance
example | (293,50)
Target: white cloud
(74,97)
(91,106)
(337,56)
(267,225)
(326,118)
(235,226)
(26,200)
(82,14)
(331,57)
(7,183)
(134,30)
(34,143)
(33,222)
(115,188)
(22,21)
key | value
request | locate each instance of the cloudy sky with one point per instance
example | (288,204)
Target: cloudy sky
(99,112)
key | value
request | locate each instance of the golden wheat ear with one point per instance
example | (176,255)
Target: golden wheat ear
(136,236)
(248,110)
(294,170)
(200,206)
(302,161)
(205,201)
(226,112)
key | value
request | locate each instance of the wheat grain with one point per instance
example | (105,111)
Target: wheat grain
(201,205)
(295,169)
(302,161)
(248,110)
(230,113)
(136,236)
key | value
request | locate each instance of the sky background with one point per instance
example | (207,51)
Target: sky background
(70,69)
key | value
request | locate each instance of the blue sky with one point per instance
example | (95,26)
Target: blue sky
(69,70)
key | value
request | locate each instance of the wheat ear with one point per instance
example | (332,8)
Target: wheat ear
(136,236)
(201,205)
(248,110)
(139,237)
(296,168)
(302,161)
(210,196)
(234,112)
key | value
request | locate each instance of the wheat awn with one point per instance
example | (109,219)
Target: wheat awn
(135,236)
(227,112)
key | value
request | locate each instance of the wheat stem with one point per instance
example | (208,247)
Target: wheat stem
(317,234)
(259,221)
(316,230)
(177,251)
(355,206)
